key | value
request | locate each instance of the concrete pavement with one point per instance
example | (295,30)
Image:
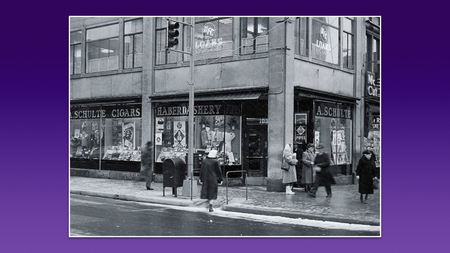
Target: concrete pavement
(344,206)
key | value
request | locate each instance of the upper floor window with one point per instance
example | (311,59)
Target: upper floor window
(325,39)
(254,36)
(347,43)
(164,56)
(133,43)
(301,36)
(102,48)
(213,38)
(75,52)
(373,54)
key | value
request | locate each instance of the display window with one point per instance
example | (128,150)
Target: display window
(373,139)
(333,130)
(216,127)
(107,133)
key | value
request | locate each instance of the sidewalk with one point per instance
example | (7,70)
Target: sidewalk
(344,206)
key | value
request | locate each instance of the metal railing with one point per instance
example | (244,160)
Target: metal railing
(242,178)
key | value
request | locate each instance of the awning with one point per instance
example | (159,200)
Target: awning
(223,96)
(320,95)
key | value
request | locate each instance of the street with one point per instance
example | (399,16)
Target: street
(93,216)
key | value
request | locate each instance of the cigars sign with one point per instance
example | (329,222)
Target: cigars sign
(373,85)
(106,112)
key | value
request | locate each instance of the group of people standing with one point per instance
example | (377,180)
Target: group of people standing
(316,171)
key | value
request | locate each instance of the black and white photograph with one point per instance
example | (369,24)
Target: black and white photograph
(225,126)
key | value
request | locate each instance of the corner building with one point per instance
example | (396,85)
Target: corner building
(260,83)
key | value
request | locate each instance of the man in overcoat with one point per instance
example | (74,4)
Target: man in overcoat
(210,177)
(324,177)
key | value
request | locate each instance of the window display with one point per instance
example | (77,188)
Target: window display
(212,131)
(333,129)
(109,133)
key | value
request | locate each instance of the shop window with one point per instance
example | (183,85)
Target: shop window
(102,48)
(212,131)
(325,39)
(75,52)
(213,38)
(107,133)
(333,130)
(133,44)
(301,36)
(254,35)
(347,43)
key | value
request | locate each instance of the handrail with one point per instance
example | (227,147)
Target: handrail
(242,177)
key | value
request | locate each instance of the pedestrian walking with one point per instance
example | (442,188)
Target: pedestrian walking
(323,174)
(366,173)
(210,177)
(146,164)
(307,170)
(289,175)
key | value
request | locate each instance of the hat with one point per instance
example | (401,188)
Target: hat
(320,146)
(366,152)
(212,154)
(310,145)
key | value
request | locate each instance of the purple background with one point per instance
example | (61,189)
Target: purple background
(35,112)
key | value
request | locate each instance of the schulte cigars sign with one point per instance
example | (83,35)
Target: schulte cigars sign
(106,112)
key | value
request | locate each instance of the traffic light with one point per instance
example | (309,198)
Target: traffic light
(172,33)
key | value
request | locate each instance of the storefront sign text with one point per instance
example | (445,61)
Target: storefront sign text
(373,86)
(183,110)
(115,112)
(333,110)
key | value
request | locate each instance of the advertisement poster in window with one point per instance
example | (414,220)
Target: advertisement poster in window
(300,127)
(128,134)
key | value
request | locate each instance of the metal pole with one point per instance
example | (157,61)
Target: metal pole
(191,111)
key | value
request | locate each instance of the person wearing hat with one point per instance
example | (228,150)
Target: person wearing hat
(307,170)
(210,177)
(323,176)
(366,173)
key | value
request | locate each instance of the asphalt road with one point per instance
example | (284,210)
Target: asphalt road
(103,217)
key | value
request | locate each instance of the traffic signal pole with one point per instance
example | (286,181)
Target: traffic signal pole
(190,160)
(191,112)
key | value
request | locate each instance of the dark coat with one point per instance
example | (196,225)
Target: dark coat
(146,161)
(324,176)
(210,176)
(366,172)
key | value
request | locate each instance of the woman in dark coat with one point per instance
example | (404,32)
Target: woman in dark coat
(146,164)
(324,176)
(366,173)
(210,177)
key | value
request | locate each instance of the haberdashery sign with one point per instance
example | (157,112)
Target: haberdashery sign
(207,109)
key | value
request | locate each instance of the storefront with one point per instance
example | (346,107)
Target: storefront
(220,123)
(327,120)
(106,136)
(372,117)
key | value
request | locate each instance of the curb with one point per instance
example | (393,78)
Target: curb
(295,215)
(154,200)
(229,208)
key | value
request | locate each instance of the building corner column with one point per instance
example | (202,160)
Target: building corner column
(281,97)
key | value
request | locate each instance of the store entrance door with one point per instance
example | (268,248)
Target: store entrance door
(256,154)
